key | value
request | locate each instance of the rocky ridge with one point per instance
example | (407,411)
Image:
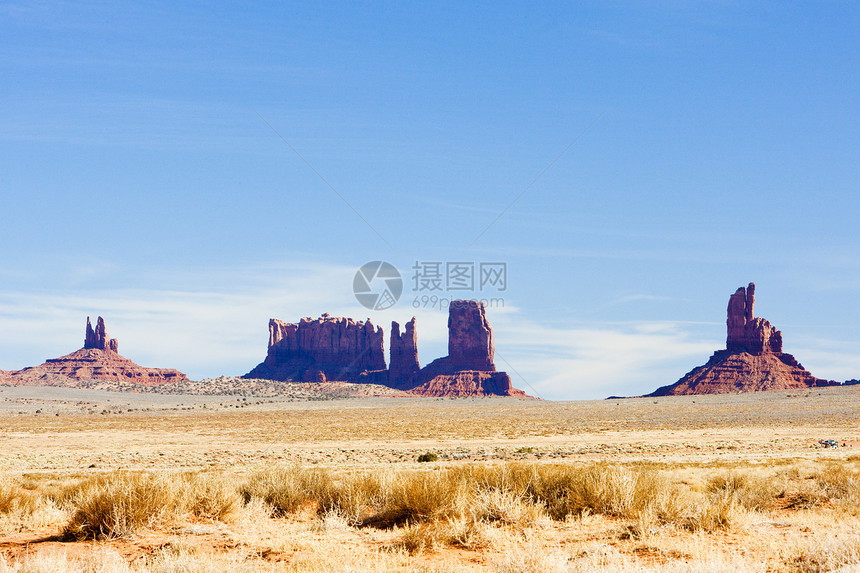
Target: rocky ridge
(752,361)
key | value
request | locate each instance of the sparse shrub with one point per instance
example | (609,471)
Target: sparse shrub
(288,489)
(418,497)
(357,496)
(119,504)
(208,497)
(728,482)
(563,490)
(451,531)
(420,537)
(720,512)
(751,492)
(281,488)
(428,457)
(676,505)
(9,494)
(816,555)
(599,488)
(15,499)
(838,481)
(461,505)
(801,499)
(505,507)
(533,558)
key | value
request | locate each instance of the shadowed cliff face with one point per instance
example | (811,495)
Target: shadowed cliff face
(328,348)
(752,361)
(470,338)
(403,357)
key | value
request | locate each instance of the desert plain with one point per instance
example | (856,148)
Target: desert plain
(326,478)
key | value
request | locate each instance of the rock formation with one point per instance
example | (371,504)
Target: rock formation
(745,333)
(328,348)
(97,360)
(341,349)
(468,370)
(470,338)
(98,338)
(403,354)
(752,361)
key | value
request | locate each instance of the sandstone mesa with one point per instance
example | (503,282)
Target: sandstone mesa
(328,348)
(753,360)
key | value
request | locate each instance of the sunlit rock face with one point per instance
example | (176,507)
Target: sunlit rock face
(753,360)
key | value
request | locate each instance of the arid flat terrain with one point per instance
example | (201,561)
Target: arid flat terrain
(58,437)
(66,429)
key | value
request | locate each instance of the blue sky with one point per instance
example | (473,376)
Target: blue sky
(148,175)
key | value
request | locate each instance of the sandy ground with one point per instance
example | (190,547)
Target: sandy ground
(77,430)
(54,432)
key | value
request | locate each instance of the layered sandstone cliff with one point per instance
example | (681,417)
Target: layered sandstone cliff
(328,348)
(97,360)
(753,360)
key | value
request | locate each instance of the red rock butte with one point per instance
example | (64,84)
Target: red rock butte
(328,348)
(468,370)
(99,359)
(753,360)
(341,349)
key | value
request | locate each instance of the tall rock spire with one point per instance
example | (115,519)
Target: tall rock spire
(745,332)
(752,361)
(98,338)
(470,338)
(403,362)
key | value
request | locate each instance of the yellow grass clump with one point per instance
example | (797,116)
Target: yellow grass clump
(121,503)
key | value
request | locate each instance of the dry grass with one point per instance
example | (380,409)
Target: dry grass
(288,489)
(122,503)
(459,498)
(840,480)
(522,517)
(119,504)
(22,507)
(518,487)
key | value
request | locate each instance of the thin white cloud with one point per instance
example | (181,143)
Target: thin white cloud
(597,360)
(215,323)
(201,326)
(827,358)
(211,323)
